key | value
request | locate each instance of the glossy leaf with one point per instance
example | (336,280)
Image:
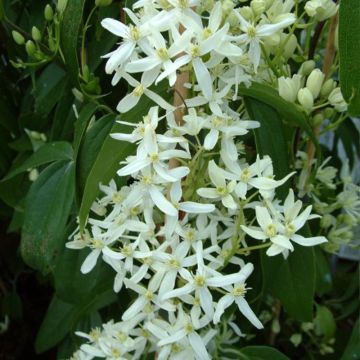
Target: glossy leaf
(60,150)
(349,44)
(90,148)
(291,280)
(48,205)
(270,140)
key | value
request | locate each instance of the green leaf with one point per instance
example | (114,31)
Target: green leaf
(74,287)
(48,89)
(60,150)
(349,44)
(70,35)
(90,148)
(47,209)
(63,318)
(64,118)
(323,273)
(56,324)
(352,351)
(324,322)
(81,125)
(288,111)
(291,280)
(270,140)
(262,353)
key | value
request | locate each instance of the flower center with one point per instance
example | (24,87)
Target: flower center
(251,32)
(117,197)
(207,33)
(222,190)
(134,33)
(195,51)
(162,54)
(174,263)
(139,90)
(289,229)
(270,230)
(127,250)
(97,244)
(149,295)
(199,280)
(239,290)
(245,175)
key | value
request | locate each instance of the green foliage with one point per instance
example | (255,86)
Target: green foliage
(349,43)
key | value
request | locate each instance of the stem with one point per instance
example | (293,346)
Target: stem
(251,248)
(83,50)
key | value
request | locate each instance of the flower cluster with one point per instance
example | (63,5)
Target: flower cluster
(177,236)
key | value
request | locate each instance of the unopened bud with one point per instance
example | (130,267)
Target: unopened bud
(18,38)
(103,3)
(33,174)
(48,13)
(258,6)
(317,120)
(307,67)
(328,86)
(305,99)
(314,82)
(328,112)
(227,6)
(61,5)
(289,87)
(35,33)
(246,12)
(30,48)
(336,99)
(326,221)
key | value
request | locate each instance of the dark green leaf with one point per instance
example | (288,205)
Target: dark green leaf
(270,139)
(64,118)
(81,125)
(47,209)
(63,318)
(90,148)
(54,151)
(262,353)
(349,44)
(73,286)
(352,351)
(48,89)
(291,280)
(323,273)
(57,323)
(70,35)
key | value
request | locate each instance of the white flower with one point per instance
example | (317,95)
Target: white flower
(222,191)
(254,34)
(236,294)
(132,36)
